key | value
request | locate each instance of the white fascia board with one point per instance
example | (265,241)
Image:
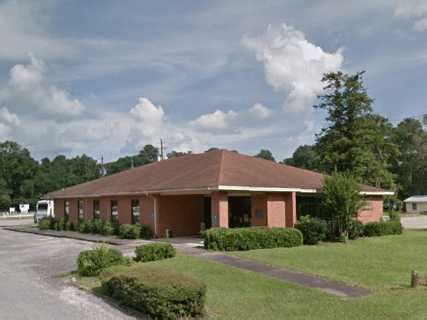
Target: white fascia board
(377,193)
(264,189)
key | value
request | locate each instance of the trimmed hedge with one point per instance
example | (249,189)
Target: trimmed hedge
(129,231)
(146,232)
(251,238)
(355,229)
(376,229)
(107,228)
(312,229)
(45,223)
(154,251)
(92,262)
(156,292)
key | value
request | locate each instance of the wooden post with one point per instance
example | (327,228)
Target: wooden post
(415,279)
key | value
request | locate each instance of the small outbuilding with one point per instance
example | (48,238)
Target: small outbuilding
(217,188)
(416,204)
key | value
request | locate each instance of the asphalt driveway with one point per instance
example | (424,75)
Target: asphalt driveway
(29,284)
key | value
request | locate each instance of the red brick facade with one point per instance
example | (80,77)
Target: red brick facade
(372,209)
(184,214)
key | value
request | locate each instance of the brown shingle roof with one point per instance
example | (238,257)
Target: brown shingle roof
(203,171)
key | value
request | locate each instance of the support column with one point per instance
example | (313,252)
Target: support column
(219,209)
(291,209)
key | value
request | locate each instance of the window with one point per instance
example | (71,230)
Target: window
(96,211)
(81,209)
(66,209)
(414,206)
(135,211)
(114,210)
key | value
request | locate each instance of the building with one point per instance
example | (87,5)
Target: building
(416,204)
(216,188)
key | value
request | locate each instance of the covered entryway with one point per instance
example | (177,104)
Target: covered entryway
(239,211)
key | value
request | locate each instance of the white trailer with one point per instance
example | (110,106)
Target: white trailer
(44,209)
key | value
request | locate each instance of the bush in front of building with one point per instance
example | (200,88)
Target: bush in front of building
(45,224)
(92,262)
(224,239)
(69,226)
(84,226)
(156,292)
(355,229)
(129,231)
(61,224)
(154,251)
(146,232)
(107,228)
(97,225)
(382,228)
(312,229)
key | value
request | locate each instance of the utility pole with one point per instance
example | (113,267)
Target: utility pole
(161,149)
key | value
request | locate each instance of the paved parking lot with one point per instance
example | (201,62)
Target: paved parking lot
(414,222)
(29,284)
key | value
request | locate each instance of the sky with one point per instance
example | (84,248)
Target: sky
(105,77)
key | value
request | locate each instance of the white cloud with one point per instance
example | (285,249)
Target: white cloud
(413,9)
(215,120)
(29,87)
(8,118)
(293,65)
(260,111)
(24,27)
(147,112)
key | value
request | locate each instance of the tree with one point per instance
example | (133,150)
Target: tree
(265,154)
(175,154)
(410,165)
(355,140)
(341,201)
(305,157)
(147,155)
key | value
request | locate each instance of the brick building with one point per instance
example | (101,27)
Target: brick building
(192,192)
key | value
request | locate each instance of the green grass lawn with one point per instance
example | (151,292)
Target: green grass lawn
(237,294)
(380,262)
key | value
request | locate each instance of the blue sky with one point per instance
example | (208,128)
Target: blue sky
(107,77)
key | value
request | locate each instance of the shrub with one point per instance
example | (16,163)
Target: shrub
(376,229)
(312,229)
(84,227)
(107,228)
(251,238)
(355,229)
(146,232)
(158,293)
(129,231)
(44,223)
(92,262)
(61,224)
(394,215)
(154,251)
(69,226)
(341,200)
(97,226)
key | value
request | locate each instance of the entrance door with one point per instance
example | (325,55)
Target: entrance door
(207,214)
(239,209)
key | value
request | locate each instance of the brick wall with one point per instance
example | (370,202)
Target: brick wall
(372,210)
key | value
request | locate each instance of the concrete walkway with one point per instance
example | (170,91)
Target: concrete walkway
(414,222)
(194,246)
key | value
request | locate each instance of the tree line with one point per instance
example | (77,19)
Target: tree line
(354,141)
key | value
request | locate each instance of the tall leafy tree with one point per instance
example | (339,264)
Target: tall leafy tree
(410,165)
(354,140)
(305,157)
(265,154)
